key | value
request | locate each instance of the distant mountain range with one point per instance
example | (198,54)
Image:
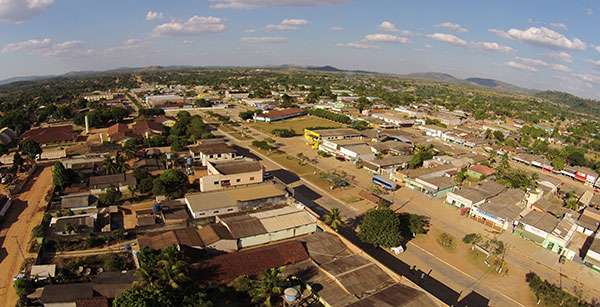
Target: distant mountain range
(433,76)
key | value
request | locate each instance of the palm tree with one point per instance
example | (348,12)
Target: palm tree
(121,163)
(172,270)
(270,283)
(109,166)
(333,218)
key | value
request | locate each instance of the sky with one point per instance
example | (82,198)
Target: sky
(541,44)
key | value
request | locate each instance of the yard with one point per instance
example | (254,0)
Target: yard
(297,124)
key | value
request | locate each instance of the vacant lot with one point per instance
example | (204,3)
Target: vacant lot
(297,124)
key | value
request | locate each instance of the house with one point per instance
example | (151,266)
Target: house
(225,174)
(275,115)
(51,136)
(501,210)
(386,165)
(66,295)
(180,238)
(98,95)
(73,224)
(316,136)
(392,147)
(101,184)
(217,237)
(592,257)
(334,147)
(589,220)
(236,94)
(586,174)
(474,196)
(480,171)
(77,202)
(210,152)
(397,295)
(145,128)
(118,132)
(394,119)
(397,135)
(161,100)
(434,186)
(145,217)
(149,165)
(225,268)
(42,271)
(208,204)
(356,152)
(536,226)
(432,131)
(560,237)
(83,164)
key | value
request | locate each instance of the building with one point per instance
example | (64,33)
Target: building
(275,115)
(97,96)
(356,152)
(51,136)
(536,226)
(474,196)
(237,94)
(397,295)
(217,237)
(393,119)
(83,164)
(208,204)
(391,147)
(73,224)
(42,272)
(592,257)
(558,240)
(386,165)
(500,211)
(162,100)
(180,238)
(212,152)
(230,173)
(101,184)
(589,220)
(434,186)
(432,131)
(480,171)
(315,137)
(77,202)
(586,174)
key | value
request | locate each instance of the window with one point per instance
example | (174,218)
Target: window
(238,180)
(216,211)
(230,209)
(202,213)
(215,182)
(251,178)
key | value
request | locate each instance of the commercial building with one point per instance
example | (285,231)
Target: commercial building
(315,137)
(230,173)
(275,115)
(592,257)
(474,196)
(502,210)
(211,152)
(161,100)
(208,204)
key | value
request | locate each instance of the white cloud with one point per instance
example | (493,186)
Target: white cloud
(386,38)
(132,43)
(21,10)
(357,45)
(492,46)
(542,37)
(521,66)
(336,28)
(264,40)
(152,15)
(560,67)
(452,26)
(251,30)
(194,25)
(388,26)
(287,25)
(595,63)
(250,4)
(47,47)
(559,26)
(448,38)
(589,12)
(530,61)
(563,56)
(597,48)
(591,78)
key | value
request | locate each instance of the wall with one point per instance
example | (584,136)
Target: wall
(207,183)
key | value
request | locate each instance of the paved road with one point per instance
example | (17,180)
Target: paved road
(309,194)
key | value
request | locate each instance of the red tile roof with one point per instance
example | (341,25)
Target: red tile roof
(225,268)
(482,169)
(141,127)
(51,135)
(118,131)
(283,113)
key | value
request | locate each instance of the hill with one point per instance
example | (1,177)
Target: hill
(499,85)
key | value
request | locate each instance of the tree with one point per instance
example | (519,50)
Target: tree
(413,224)
(421,154)
(446,240)
(270,283)
(60,177)
(360,125)
(333,218)
(283,133)
(362,103)
(110,198)
(172,183)
(381,227)
(550,294)
(18,161)
(146,185)
(472,238)
(31,149)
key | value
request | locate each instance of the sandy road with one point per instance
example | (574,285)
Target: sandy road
(26,212)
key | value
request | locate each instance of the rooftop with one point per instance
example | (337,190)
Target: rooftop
(282,113)
(540,220)
(340,132)
(483,169)
(49,135)
(211,149)
(109,180)
(230,167)
(179,237)
(231,197)
(212,233)
(506,205)
(243,226)
(396,295)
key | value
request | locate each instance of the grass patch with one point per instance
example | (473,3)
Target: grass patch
(297,124)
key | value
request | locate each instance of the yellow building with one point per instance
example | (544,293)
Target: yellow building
(315,137)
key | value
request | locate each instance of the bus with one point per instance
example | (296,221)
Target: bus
(385,183)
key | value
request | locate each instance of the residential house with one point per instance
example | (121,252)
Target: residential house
(182,239)
(73,224)
(469,197)
(42,271)
(589,220)
(592,257)
(225,174)
(356,152)
(217,237)
(77,202)
(394,119)
(209,204)
(276,115)
(480,171)
(434,186)
(101,184)
(559,238)
(386,165)
(51,136)
(316,136)
(391,147)
(83,164)
(501,210)
(334,147)
(210,152)
(586,174)
(432,131)
(537,226)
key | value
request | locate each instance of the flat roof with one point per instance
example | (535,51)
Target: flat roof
(236,166)
(540,220)
(212,148)
(506,204)
(396,295)
(336,132)
(284,218)
(230,197)
(243,226)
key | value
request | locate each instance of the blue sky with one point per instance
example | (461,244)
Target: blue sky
(538,44)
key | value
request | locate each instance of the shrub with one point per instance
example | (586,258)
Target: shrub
(472,238)
(446,241)
(283,133)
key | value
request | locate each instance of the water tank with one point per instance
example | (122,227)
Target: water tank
(290,295)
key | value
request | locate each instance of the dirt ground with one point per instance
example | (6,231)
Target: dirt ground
(297,124)
(26,212)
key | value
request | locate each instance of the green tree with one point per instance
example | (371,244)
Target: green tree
(172,183)
(110,198)
(270,284)
(18,161)
(31,149)
(381,227)
(333,218)
(60,177)
(472,238)
(413,224)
